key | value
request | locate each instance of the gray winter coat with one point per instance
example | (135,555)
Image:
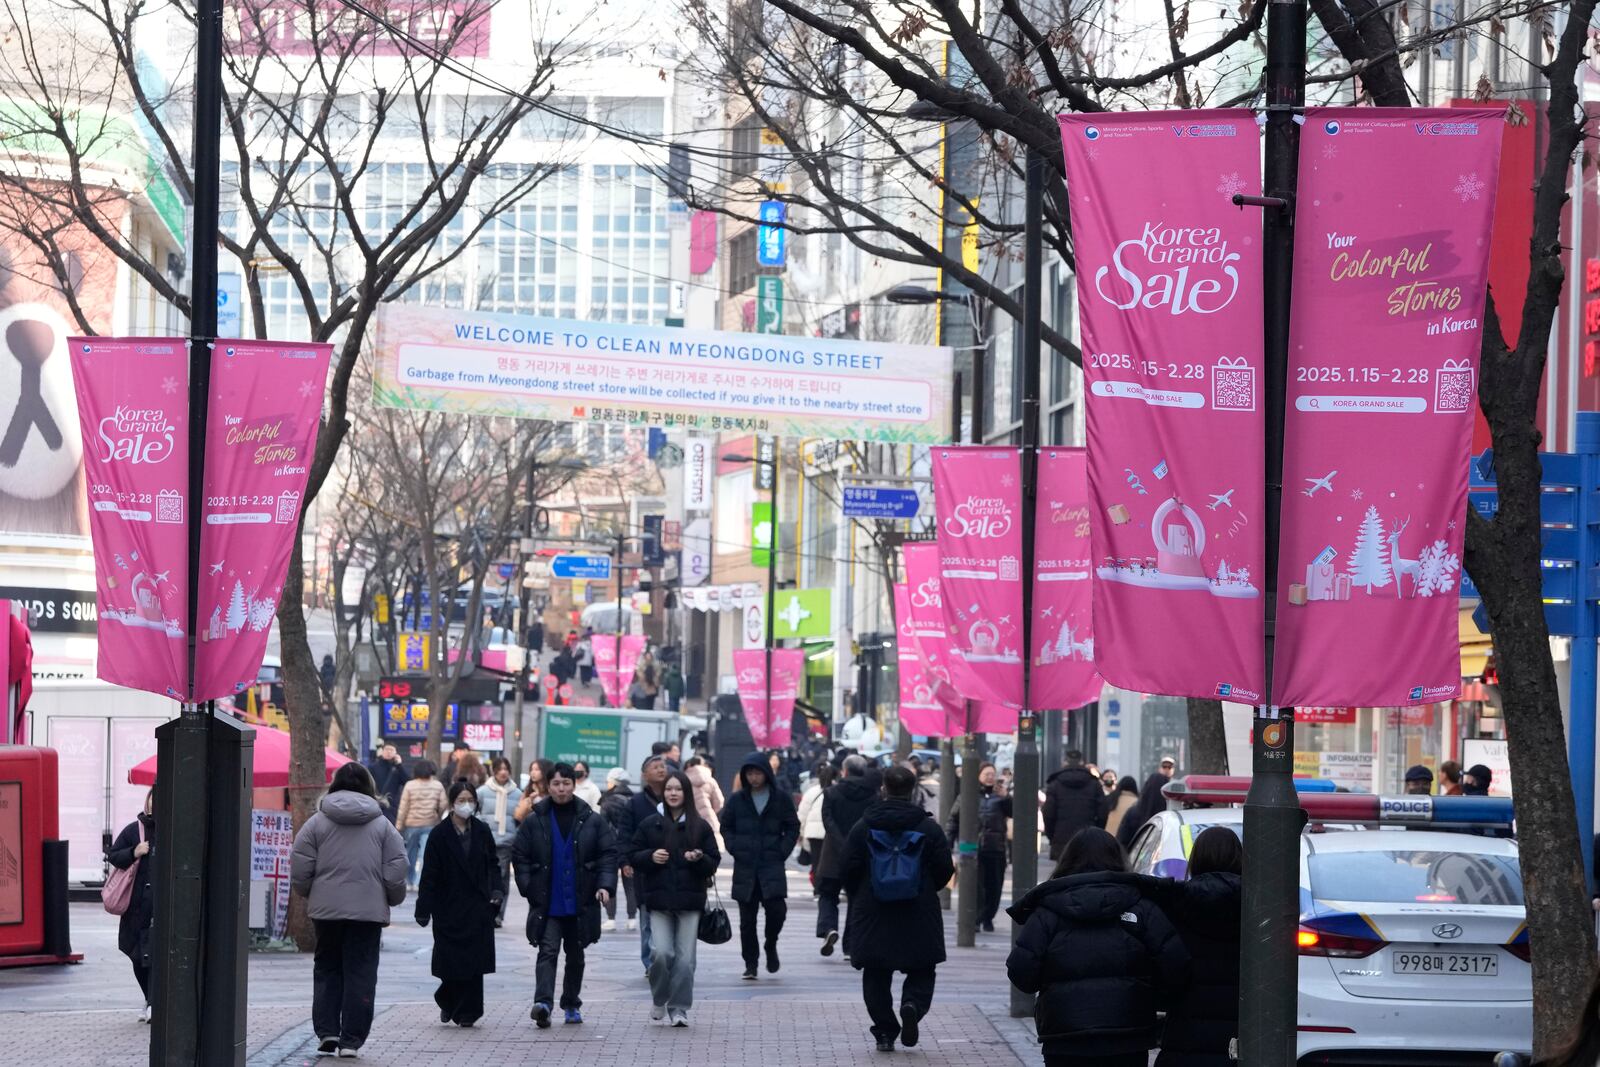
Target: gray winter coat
(349,860)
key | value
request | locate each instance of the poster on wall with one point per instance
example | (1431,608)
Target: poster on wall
(271,842)
(477,363)
(1384,340)
(1169,296)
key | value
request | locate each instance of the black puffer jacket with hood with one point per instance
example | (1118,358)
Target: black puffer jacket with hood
(1073,800)
(900,935)
(1206,1017)
(1102,957)
(759,841)
(843,805)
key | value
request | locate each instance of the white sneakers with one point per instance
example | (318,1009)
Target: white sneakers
(679,1018)
(657,1013)
(608,925)
(633,924)
(144,1016)
(348,1053)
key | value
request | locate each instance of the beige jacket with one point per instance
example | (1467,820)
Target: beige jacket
(1125,803)
(422,803)
(708,799)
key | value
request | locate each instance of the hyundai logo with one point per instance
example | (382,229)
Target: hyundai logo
(1447,931)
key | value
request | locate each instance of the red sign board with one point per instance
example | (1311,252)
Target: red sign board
(1325,715)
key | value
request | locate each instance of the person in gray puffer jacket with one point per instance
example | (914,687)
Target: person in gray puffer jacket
(350,862)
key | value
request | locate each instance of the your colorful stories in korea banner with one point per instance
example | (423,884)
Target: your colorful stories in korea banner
(134,410)
(1383,355)
(1170,303)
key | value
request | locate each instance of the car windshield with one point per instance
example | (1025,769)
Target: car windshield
(1395,877)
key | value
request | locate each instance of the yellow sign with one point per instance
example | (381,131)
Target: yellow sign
(969,243)
(770,138)
(380,608)
(1308,764)
(413,653)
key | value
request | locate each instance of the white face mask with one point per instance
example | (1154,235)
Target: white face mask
(465,811)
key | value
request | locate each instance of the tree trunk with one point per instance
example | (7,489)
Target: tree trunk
(302,691)
(1208,740)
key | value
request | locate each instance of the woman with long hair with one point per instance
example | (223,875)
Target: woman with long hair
(1121,800)
(422,805)
(537,789)
(674,853)
(461,895)
(1101,957)
(133,845)
(1205,908)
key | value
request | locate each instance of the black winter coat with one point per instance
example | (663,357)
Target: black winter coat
(531,858)
(390,779)
(1073,800)
(678,885)
(1102,957)
(759,843)
(614,806)
(1205,1018)
(993,812)
(641,806)
(459,894)
(1151,803)
(902,935)
(133,931)
(843,805)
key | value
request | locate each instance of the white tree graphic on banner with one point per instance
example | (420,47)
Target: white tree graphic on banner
(238,611)
(1367,565)
(1437,567)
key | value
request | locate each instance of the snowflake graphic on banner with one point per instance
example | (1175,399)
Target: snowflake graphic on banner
(1436,569)
(306,388)
(169,385)
(1230,184)
(1330,150)
(1469,187)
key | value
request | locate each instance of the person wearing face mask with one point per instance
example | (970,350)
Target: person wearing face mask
(461,895)
(497,802)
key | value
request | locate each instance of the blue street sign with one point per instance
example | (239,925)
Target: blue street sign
(879,502)
(595,568)
(770,250)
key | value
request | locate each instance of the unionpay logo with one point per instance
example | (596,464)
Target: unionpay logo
(1092,133)
(1224,689)
(1331,127)
(1416,692)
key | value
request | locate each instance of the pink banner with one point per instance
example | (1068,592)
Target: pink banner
(1169,297)
(614,682)
(261,430)
(1063,673)
(769,728)
(1383,344)
(921,713)
(927,620)
(977,498)
(133,408)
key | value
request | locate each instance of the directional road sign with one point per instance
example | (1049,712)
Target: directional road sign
(594,568)
(879,502)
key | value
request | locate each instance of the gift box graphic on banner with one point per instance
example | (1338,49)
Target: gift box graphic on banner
(1455,392)
(1233,384)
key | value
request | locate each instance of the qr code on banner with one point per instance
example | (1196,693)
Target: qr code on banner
(169,507)
(1454,393)
(1233,385)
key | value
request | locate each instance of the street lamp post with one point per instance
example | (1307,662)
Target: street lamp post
(771,463)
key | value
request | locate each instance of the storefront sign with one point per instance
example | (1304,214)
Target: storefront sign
(1384,342)
(699,471)
(571,736)
(59,611)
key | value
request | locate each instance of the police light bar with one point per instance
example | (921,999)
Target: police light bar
(1323,806)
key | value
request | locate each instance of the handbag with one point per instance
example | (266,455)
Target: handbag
(117,894)
(715,929)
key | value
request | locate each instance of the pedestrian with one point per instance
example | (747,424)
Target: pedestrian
(351,865)
(132,846)
(1122,801)
(614,803)
(843,805)
(812,831)
(533,790)
(1419,781)
(642,693)
(1073,800)
(1476,782)
(565,858)
(466,764)
(760,828)
(1150,804)
(642,805)
(497,801)
(1108,782)
(1450,779)
(462,896)
(1204,1020)
(778,770)
(1101,956)
(672,684)
(1167,767)
(563,666)
(896,861)
(675,855)
(536,637)
(708,798)
(327,674)
(585,790)
(390,776)
(994,811)
(422,805)
(583,655)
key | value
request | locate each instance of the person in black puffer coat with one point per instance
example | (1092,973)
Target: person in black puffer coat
(133,845)
(843,805)
(994,811)
(759,829)
(1073,800)
(1206,911)
(674,853)
(1100,954)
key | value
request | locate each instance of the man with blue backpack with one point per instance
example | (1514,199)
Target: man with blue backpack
(896,860)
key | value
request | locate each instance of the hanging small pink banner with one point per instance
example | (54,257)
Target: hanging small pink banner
(133,407)
(927,620)
(1063,673)
(261,431)
(977,500)
(920,711)
(1383,352)
(615,681)
(1169,297)
(769,728)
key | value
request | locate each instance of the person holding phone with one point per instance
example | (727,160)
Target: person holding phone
(674,852)
(133,845)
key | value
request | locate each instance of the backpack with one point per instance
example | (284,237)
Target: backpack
(896,863)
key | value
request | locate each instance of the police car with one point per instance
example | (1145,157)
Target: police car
(1412,940)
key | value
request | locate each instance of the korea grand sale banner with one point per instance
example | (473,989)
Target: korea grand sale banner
(1169,278)
(1384,337)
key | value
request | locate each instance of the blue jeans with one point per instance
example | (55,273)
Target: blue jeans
(672,972)
(416,837)
(646,950)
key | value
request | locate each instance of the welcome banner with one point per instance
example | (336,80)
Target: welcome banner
(1063,673)
(977,500)
(1383,359)
(615,678)
(261,430)
(770,727)
(133,407)
(1169,297)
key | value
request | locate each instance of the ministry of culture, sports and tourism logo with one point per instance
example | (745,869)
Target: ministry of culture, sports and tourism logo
(1091,133)
(1331,127)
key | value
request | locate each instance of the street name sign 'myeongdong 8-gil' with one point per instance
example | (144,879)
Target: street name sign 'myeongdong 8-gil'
(565,370)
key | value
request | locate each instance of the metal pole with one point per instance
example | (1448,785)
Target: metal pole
(772,567)
(1268,962)
(616,665)
(967,873)
(1025,800)
(530,655)
(1581,731)
(947,745)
